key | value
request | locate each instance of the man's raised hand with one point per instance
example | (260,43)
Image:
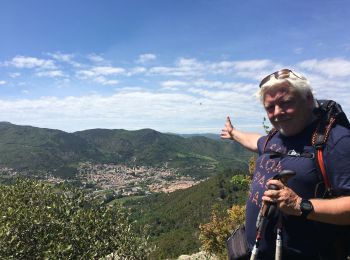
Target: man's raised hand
(226,133)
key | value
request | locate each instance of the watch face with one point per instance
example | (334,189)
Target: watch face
(306,205)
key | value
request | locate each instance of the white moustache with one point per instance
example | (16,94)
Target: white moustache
(280,119)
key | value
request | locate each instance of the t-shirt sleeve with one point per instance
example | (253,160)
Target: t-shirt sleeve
(338,166)
(261,143)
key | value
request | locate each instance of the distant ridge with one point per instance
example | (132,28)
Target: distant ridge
(5,122)
(207,135)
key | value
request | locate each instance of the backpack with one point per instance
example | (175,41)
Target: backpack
(330,113)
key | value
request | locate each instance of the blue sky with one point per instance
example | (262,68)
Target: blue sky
(174,66)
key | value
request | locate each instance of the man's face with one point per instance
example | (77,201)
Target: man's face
(287,111)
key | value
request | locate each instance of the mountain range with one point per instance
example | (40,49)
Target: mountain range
(33,148)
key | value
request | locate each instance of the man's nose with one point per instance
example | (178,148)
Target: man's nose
(278,110)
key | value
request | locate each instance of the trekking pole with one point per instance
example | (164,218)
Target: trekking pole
(278,253)
(266,211)
(284,176)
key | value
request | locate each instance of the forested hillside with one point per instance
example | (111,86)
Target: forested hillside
(174,218)
(41,148)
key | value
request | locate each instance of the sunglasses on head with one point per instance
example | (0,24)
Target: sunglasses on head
(281,74)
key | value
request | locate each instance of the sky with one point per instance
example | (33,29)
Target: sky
(177,66)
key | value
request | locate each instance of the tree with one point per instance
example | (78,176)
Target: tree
(40,221)
(266,125)
(214,234)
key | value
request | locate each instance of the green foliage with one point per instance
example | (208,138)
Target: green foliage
(214,234)
(241,181)
(39,221)
(266,125)
(251,164)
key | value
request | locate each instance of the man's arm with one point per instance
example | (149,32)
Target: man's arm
(247,140)
(332,211)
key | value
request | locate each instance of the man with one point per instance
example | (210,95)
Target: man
(309,224)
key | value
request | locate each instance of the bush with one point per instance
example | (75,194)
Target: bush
(214,234)
(241,182)
(40,221)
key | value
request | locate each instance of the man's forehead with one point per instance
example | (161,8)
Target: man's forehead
(283,87)
(279,91)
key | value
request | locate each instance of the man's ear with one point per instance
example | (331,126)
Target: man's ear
(310,99)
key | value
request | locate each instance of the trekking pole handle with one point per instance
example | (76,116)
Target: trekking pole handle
(272,187)
(284,176)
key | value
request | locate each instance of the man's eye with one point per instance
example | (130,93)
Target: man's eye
(286,103)
(269,108)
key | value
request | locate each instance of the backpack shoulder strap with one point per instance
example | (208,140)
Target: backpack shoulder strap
(329,113)
(272,132)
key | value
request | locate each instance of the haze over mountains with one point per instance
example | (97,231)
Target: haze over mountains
(27,147)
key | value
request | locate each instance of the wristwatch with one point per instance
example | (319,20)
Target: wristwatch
(306,208)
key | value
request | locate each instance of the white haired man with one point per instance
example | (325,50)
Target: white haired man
(309,224)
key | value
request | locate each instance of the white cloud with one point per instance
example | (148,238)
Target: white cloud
(164,71)
(225,96)
(329,87)
(64,57)
(133,109)
(204,84)
(214,84)
(15,74)
(2,82)
(106,70)
(98,71)
(103,81)
(253,65)
(193,68)
(180,71)
(247,67)
(31,62)
(61,56)
(337,67)
(50,73)
(174,83)
(136,70)
(188,94)
(193,63)
(95,58)
(298,50)
(242,87)
(99,74)
(143,58)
